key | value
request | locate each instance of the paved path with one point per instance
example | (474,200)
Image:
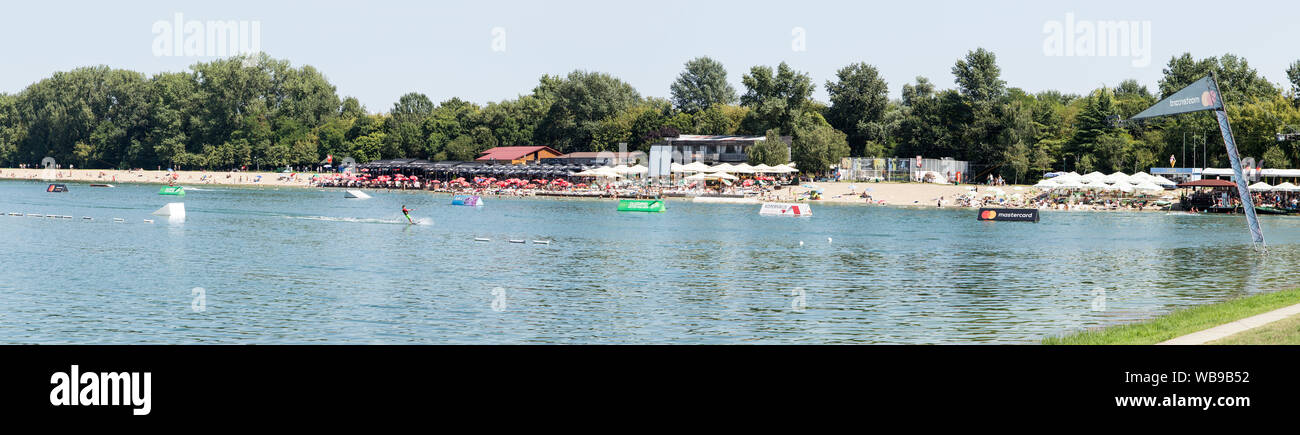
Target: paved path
(1225,330)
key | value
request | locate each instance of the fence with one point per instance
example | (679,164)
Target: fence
(897,169)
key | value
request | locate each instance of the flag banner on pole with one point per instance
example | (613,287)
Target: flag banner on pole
(1198,96)
(1247,203)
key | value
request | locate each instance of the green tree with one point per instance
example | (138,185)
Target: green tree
(366,148)
(1132,98)
(934,123)
(979,78)
(1293,74)
(406,133)
(1018,158)
(580,101)
(858,97)
(775,98)
(461,148)
(351,108)
(103,108)
(720,119)
(1114,151)
(770,151)
(1086,164)
(11,131)
(817,145)
(1256,124)
(979,81)
(1040,159)
(515,122)
(1237,80)
(1092,123)
(1275,157)
(702,85)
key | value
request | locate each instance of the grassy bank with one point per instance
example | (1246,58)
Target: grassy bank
(1285,331)
(1183,322)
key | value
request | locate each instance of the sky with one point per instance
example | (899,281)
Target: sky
(489,50)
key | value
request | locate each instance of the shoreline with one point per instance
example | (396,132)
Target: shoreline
(115,176)
(905,195)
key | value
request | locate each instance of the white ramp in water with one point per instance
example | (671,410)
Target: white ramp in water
(355,194)
(173,211)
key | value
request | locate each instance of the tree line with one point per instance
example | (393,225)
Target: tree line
(258,111)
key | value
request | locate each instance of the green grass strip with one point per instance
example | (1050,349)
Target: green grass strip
(1182,322)
(1284,332)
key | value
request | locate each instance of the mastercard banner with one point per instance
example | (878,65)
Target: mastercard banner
(1198,96)
(1009,214)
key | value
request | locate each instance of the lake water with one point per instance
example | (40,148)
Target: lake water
(308,266)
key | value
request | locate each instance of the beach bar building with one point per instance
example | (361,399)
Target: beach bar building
(518,155)
(707,149)
(601,158)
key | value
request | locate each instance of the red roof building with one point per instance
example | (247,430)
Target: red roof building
(518,155)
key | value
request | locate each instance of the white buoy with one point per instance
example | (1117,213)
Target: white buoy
(542,242)
(87,218)
(801,243)
(828,240)
(173,211)
(119,220)
(148,221)
(516,241)
(482,239)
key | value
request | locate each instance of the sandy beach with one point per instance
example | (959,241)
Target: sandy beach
(839,192)
(184,178)
(889,194)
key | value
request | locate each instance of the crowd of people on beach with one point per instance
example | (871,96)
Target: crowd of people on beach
(571,186)
(750,187)
(1046,200)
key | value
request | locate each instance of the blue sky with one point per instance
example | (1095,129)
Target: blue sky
(377,51)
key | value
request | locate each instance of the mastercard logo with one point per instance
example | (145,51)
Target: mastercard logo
(1208,98)
(988,215)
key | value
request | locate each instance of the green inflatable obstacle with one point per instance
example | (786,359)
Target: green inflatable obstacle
(172,190)
(648,205)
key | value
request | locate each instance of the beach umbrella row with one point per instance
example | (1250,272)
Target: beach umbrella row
(1265,187)
(1098,184)
(1119,180)
(712,176)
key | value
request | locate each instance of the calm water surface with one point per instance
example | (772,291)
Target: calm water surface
(308,266)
